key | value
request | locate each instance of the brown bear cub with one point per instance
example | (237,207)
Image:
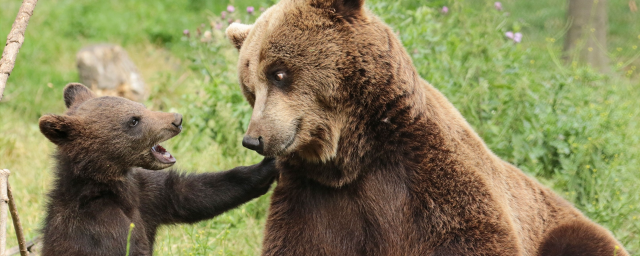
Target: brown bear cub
(107,151)
(373,159)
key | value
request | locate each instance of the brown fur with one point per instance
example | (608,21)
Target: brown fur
(374,160)
(101,186)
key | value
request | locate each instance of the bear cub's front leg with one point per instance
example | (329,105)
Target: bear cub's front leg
(171,197)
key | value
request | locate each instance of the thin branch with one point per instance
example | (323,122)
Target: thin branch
(14,42)
(31,247)
(16,222)
(4,177)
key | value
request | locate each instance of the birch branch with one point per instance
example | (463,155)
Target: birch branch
(14,42)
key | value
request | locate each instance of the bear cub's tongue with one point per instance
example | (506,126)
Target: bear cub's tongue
(162,154)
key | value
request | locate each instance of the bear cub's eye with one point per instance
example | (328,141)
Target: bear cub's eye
(134,121)
(280,75)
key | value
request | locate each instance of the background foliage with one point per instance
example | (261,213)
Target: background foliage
(573,129)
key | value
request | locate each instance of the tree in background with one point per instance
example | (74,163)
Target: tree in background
(586,40)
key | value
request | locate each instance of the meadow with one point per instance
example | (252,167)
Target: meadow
(573,129)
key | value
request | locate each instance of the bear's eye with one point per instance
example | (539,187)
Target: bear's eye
(280,78)
(134,121)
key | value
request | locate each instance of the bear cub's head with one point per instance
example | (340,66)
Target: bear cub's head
(110,132)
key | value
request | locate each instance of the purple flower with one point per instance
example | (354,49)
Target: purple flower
(250,9)
(509,34)
(517,37)
(445,10)
(498,6)
(262,9)
(186,32)
(223,15)
(218,26)
(230,8)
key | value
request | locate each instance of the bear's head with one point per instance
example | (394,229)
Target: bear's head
(309,69)
(110,133)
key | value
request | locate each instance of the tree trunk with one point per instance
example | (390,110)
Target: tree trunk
(586,40)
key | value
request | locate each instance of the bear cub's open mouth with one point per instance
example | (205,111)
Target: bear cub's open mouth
(162,154)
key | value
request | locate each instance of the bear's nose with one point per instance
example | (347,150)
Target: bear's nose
(253,143)
(177,120)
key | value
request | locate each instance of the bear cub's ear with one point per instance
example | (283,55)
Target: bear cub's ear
(76,93)
(58,129)
(237,33)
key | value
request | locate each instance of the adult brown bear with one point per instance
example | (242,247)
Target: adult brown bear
(374,160)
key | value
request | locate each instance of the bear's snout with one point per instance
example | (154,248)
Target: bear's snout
(253,143)
(177,121)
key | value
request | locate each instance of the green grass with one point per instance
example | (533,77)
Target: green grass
(575,130)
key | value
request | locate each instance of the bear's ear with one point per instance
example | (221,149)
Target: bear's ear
(237,33)
(58,129)
(76,93)
(348,9)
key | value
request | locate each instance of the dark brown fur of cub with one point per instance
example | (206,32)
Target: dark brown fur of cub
(101,186)
(376,161)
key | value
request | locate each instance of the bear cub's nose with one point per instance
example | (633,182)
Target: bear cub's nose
(177,121)
(253,143)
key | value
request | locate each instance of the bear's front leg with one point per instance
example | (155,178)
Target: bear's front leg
(481,242)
